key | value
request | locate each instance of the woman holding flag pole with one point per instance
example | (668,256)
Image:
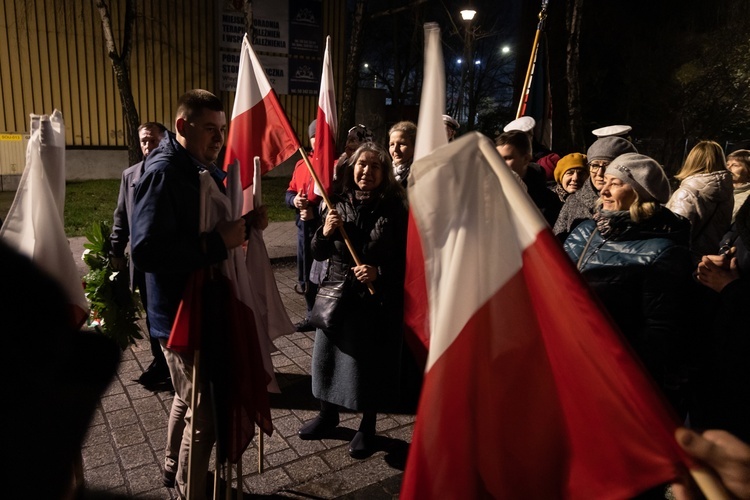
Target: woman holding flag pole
(356,365)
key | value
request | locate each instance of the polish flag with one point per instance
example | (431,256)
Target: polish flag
(224,302)
(35,223)
(431,130)
(430,135)
(324,153)
(529,391)
(259,126)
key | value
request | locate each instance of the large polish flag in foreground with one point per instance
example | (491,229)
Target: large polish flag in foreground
(326,126)
(35,222)
(529,391)
(430,136)
(259,126)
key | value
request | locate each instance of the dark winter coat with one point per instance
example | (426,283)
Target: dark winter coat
(642,274)
(722,378)
(166,241)
(546,201)
(357,367)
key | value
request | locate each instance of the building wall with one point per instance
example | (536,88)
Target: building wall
(53,56)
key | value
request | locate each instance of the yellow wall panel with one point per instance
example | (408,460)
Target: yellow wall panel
(53,55)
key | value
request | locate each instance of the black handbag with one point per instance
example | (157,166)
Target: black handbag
(329,310)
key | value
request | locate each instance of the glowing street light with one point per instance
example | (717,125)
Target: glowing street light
(468,14)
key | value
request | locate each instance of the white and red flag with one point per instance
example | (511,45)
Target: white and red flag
(35,222)
(259,130)
(326,126)
(431,130)
(529,391)
(259,126)
(220,313)
(430,135)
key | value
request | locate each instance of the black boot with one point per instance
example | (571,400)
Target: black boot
(322,425)
(362,446)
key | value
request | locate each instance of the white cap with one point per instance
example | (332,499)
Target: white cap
(451,122)
(524,124)
(618,130)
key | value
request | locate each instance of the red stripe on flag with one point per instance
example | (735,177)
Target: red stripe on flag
(324,153)
(527,403)
(416,312)
(262,131)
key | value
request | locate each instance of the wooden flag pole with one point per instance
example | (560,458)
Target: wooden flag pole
(532,61)
(260,450)
(228,478)
(330,207)
(240,489)
(709,484)
(193,400)
(215,491)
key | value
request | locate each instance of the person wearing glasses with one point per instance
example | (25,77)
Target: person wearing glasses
(579,206)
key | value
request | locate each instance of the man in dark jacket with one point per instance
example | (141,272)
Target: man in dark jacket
(168,247)
(156,376)
(515,148)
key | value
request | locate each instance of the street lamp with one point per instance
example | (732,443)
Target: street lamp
(467,74)
(468,14)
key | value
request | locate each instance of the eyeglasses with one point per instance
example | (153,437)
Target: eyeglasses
(595,167)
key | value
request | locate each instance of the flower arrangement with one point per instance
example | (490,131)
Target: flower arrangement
(115,310)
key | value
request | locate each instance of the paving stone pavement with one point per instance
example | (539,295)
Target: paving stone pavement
(123,451)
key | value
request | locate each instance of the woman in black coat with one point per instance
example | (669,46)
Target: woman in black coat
(356,365)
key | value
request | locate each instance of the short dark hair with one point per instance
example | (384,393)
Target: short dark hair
(153,125)
(516,138)
(193,102)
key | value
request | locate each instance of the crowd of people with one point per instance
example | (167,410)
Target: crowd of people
(669,266)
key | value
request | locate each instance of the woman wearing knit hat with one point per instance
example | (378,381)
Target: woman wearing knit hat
(580,205)
(570,175)
(634,254)
(705,197)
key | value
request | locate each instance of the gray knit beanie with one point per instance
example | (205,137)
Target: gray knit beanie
(609,148)
(311,129)
(643,174)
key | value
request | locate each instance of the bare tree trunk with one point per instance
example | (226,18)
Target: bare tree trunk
(351,81)
(573,21)
(120,63)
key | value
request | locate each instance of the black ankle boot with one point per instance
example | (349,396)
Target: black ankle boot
(319,427)
(362,445)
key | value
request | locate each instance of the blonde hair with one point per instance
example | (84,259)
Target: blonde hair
(639,210)
(409,129)
(705,157)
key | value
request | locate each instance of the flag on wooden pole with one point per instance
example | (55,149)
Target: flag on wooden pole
(259,126)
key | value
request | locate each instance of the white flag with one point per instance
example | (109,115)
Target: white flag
(431,131)
(34,226)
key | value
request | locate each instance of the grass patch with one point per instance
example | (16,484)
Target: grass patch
(87,202)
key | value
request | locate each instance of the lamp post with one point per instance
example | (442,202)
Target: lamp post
(467,75)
